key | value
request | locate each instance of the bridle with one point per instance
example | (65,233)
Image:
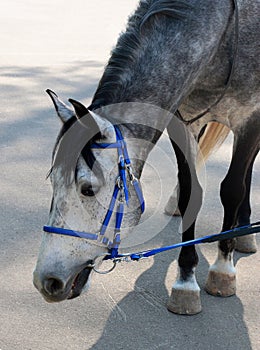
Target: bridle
(120,197)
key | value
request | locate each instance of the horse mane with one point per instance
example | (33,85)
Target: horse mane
(124,54)
(175,9)
(110,86)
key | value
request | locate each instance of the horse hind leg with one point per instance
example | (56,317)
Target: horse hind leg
(222,274)
(246,244)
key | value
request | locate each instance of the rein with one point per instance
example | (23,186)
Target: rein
(121,195)
(128,257)
(230,76)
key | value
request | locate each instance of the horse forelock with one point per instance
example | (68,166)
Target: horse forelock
(129,43)
(74,140)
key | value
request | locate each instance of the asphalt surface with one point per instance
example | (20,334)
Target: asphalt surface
(63,45)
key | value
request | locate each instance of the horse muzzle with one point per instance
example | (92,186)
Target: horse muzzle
(54,289)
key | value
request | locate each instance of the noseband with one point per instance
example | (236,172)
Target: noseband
(120,195)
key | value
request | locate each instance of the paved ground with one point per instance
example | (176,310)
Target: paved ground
(63,45)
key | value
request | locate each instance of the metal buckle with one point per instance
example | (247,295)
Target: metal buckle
(121,160)
(119,183)
(130,173)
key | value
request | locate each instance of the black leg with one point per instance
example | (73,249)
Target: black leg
(172,205)
(246,244)
(234,193)
(190,198)
(235,189)
(244,211)
(184,300)
(188,258)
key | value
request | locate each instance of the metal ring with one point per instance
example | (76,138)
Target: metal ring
(93,265)
(106,272)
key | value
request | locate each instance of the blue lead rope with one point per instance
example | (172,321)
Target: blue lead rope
(236,232)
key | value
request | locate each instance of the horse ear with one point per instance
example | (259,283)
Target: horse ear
(90,122)
(79,108)
(64,112)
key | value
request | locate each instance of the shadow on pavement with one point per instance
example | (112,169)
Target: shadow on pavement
(141,321)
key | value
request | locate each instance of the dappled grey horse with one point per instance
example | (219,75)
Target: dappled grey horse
(179,65)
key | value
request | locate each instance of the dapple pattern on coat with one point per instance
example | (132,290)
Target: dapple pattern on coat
(173,55)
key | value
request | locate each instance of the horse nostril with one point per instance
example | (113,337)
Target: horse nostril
(53,286)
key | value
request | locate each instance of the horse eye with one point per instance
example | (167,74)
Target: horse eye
(87,191)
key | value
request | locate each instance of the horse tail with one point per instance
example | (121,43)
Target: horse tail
(212,138)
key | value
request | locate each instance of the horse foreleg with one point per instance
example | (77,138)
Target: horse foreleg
(171,207)
(185,294)
(222,274)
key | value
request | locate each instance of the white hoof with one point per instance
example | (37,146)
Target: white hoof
(185,298)
(221,279)
(246,244)
(220,284)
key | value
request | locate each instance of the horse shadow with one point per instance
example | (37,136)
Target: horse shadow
(141,320)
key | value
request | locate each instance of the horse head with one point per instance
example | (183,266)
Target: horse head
(83,180)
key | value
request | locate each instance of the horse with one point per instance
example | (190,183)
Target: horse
(186,66)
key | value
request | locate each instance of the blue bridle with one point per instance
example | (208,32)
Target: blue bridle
(120,195)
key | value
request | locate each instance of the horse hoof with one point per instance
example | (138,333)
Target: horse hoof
(184,302)
(221,284)
(246,244)
(171,207)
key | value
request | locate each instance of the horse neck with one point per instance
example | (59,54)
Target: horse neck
(135,121)
(161,63)
(161,68)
